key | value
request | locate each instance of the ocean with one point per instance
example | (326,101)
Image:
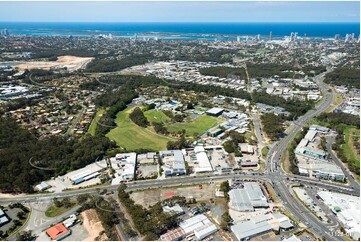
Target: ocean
(222,31)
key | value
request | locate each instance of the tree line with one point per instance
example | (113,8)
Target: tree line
(347,76)
(23,156)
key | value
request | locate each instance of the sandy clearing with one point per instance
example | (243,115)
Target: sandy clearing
(72,63)
(93,225)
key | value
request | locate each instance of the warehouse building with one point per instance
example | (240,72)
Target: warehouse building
(215,112)
(204,165)
(173,161)
(89,172)
(200,225)
(261,224)
(247,197)
(42,186)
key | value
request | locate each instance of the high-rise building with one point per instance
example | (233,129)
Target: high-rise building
(337,36)
(348,38)
(258,37)
(270,35)
(238,38)
(304,38)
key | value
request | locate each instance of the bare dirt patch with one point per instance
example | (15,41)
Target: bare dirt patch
(150,197)
(93,225)
(72,63)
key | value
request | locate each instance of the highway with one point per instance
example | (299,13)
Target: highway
(275,169)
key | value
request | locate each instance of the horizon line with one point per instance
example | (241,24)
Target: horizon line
(185,22)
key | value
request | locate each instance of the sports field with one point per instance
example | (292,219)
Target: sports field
(156,116)
(131,136)
(199,125)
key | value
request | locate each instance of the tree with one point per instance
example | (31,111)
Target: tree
(21,215)
(24,236)
(67,203)
(225,187)
(137,116)
(190,106)
(82,198)
(57,203)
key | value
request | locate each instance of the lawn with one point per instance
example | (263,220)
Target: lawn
(265,151)
(199,125)
(156,116)
(93,125)
(53,211)
(130,136)
(349,147)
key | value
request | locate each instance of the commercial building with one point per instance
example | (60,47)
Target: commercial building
(58,232)
(173,161)
(261,224)
(3,218)
(247,197)
(124,165)
(313,161)
(247,149)
(215,112)
(246,163)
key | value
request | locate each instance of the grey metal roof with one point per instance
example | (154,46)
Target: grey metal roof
(249,229)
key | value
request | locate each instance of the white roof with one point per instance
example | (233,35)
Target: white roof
(205,230)
(214,110)
(194,223)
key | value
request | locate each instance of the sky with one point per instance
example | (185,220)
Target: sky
(176,11)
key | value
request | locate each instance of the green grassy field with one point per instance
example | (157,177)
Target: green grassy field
(53,211)
(349,148)
(156,116)
(93,125)
(130,136)
(200,125)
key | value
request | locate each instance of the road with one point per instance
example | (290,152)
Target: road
(275,170)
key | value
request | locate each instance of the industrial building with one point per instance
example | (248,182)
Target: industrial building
(215,112)
(247,197)
(173,161)
(261,224)
(89,172)
(42,186)
(199,226)
(204,165)
(124,165)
